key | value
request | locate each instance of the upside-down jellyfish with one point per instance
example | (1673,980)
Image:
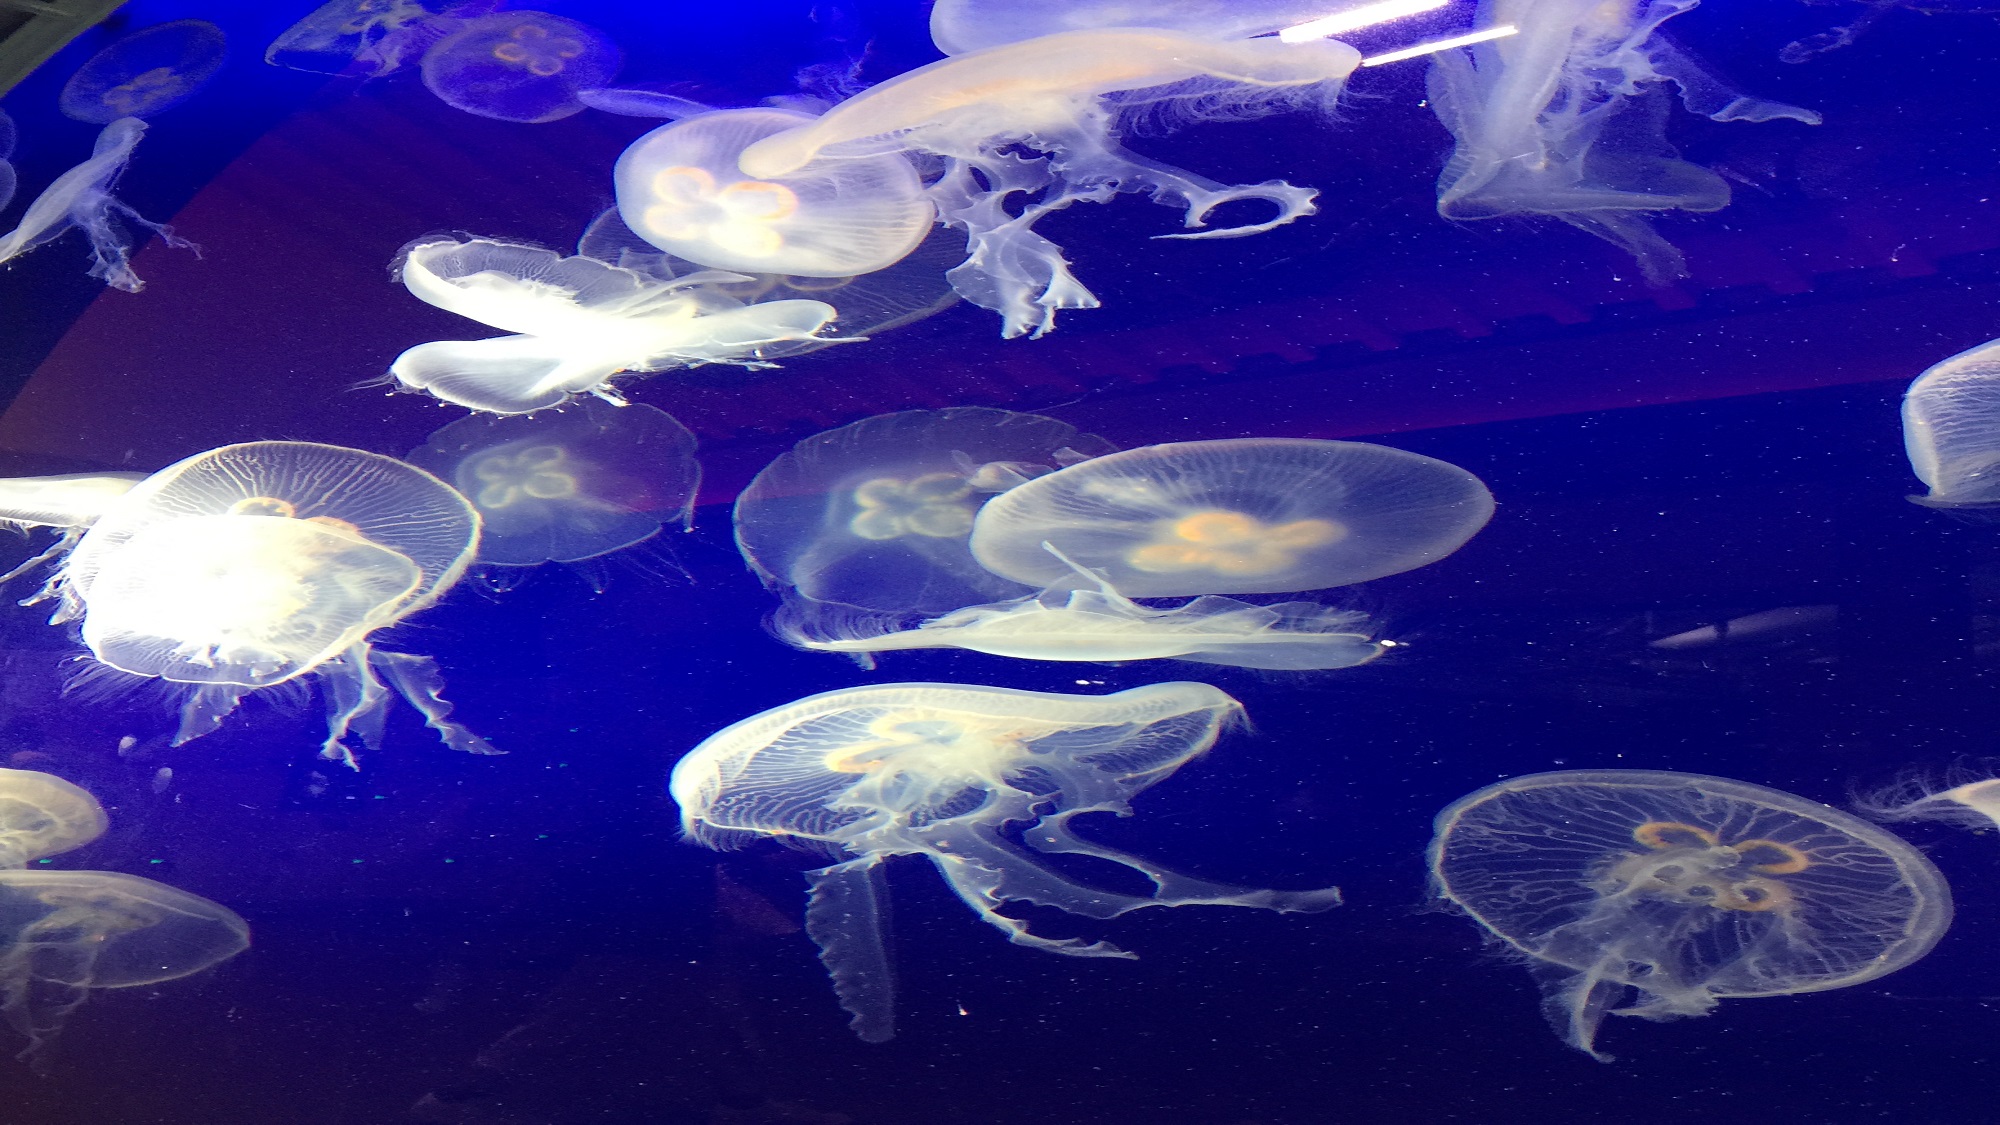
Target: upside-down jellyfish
(520,66)
(1234,516)
(578,322)
(43,815)
(1666,892)
(567,484)
(679,187)
(1568,119)
(940,770)
(1062,96)
(145,73)
(959,27)
(1951,430)
(363,38)
(81,198)
(253,565)
(875,514)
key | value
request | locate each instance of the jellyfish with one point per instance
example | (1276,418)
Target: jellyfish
(569,484)
(1061,99)
(1568,119)
(1235,516)
(679,188)
(1964,799)
(364,38)
(1666,892)
(8,180)
(578,323)
(63,933)
(145,73)
(68,503)
(520,66)
(939,771)
(254,565)
(43,815)
(1834,38)
(875,514)
(960,27)
(1951,429)
(81,197)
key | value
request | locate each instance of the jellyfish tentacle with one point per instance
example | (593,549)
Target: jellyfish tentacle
(844,911)
(205,709)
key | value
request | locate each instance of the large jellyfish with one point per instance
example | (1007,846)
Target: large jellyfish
(875,514)
(1567,119)
(960,27)
(679,187)
(81,197)
(1062,96)
(364,38)
(1234,516)
(520,66)
(1951,429)
(578,323)
(63,933)
(1665,892)
(941,771)
(253,565)
(569,484)
(43,815)
(145,73)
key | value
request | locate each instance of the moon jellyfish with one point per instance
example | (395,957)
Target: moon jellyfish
(520,66)
(941,771)
(568,484)
(1568,119)
(69,503)
(253,565)
(145,73)
(960,27)
(1062,96)
(1967,801)
(63,933)
(1235,516)
(1951,429)
(365,38)
(1666,892)
(680,189)
(8,179)
(81,198)
(578,323)
(875,514)
(43,815)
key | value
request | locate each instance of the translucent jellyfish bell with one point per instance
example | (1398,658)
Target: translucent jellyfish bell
(252,565)
(679,187)
(875,514)
(939,771)
(1951,429)
(962,26)
(569,484)
(145,73)
(81,198)
(63,933)
(1235,516)
(43,815)
(520,66)
(365,38)
(1666,892)
(8,180)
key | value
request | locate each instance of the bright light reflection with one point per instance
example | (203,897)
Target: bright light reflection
(1501,32)
(1367,15)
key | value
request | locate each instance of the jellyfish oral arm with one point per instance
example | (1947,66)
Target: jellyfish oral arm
(81,197)
(844,918)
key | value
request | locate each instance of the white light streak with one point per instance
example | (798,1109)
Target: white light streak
(1501,32)
(1368,15)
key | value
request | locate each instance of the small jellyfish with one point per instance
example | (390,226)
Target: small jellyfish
(960,27)
(8,179)
(1968,801)
(875,514)
(43,815)
(1666,892)
(63,933)
(1951,429)
(939,770)
(1040,119)
(578,323)
(679,188)
(520,66)
(81,197)
(364,38)
(569,484)
(145,73)
(1235,516)
(253,565)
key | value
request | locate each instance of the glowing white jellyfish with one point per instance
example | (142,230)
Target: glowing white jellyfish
(81,198)
(1951,429)
(43,815)
(253,565)
(1235,516)
(145,73)
(1052,95)
(364,38)
(960,27)
(679,187)
(520,66)
(940,771)
(568,484)
(578,323)
(875,514)
(1653,894)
